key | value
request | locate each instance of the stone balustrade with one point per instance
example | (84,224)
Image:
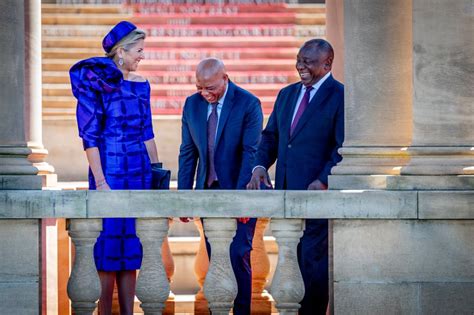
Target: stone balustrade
(288,209)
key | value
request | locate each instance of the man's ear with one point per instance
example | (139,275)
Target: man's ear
(328,63)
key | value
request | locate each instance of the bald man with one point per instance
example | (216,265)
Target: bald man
(221,127)
(303,134)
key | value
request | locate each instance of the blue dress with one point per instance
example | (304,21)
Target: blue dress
(114,115)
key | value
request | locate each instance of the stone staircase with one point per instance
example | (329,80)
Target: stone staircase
(258,43)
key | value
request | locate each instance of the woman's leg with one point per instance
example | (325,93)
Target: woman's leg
(107,281)
(126,280)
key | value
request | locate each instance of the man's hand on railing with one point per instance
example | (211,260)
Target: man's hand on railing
(243,220)
(317,185)
(259,175)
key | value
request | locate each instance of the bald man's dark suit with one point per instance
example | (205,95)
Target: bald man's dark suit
(308,154)
(238,134)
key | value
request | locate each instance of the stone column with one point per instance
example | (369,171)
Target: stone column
(335,35)
(33,93)
(83,286)
(378,90)
(260,269)
(220,287)
(443,102)
(287,286)
(153,287)
(16,172)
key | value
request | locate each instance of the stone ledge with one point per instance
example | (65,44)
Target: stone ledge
(351,204)
(332,204)
(22,204)
(199,203)
(446,204)
(402,182)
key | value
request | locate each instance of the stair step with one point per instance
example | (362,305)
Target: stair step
(188,65)
(308,8)
(158,8)
(188,77)
(157,30)
(49,8)
(57,105)
(310,19)
(155,53)
(183,90)
(183,42)
(83,19)
(228,9)
(174,19)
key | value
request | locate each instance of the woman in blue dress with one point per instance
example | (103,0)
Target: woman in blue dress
(114,120)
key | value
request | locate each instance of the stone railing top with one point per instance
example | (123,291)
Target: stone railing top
(333,204)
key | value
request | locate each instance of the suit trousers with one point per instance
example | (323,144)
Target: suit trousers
(240,249)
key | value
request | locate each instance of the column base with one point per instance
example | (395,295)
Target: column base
(440,161)
(45,170)
(371,160)
(402,182)
(27,182)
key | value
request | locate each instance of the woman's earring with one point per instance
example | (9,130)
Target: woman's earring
(120,61)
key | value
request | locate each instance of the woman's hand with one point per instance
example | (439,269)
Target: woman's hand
(102,185)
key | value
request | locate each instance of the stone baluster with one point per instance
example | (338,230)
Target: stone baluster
(83,287)
(153,287)
(287,286)
(220,287)
(168,263)
(201,265)
(260,269)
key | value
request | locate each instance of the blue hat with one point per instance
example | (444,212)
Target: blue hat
(118,32)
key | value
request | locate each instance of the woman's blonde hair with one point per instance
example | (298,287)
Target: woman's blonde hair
(127,42)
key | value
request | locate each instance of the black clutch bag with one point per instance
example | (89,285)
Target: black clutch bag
(160,177)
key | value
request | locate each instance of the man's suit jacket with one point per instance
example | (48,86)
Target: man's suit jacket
(311,151)
(237,138)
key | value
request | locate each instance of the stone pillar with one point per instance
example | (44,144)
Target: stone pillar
(260,269)
(16,172)
(20,290)
(220,287)
(33,93)
(443,106)
(83,287)
(287,286)
(378,90)
(201,265)
(431,50)
(335,35)
(153,287)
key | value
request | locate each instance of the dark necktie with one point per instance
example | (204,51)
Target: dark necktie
(304,103)
(211,140)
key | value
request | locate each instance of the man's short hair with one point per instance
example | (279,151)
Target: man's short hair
(320,45)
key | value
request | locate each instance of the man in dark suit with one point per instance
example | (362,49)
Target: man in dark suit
(221,128)
(304,132)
